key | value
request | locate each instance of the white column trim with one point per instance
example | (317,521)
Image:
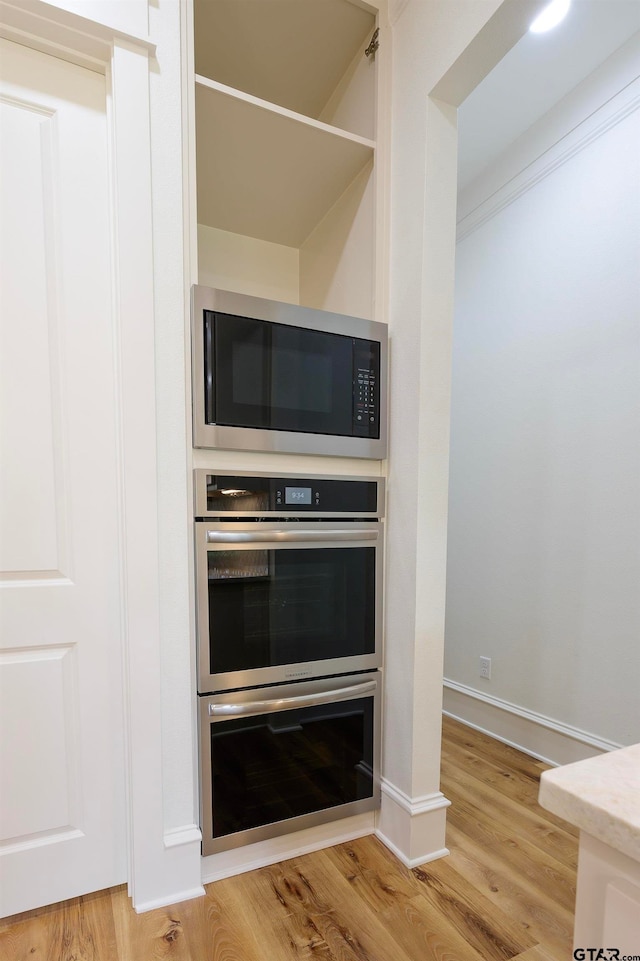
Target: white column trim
(413,806)
(159,874)
(178,837)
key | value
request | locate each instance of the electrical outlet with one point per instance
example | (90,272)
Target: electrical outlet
(485,667)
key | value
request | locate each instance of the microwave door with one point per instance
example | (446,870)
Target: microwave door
(279,377)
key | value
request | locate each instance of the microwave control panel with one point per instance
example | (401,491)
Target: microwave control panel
(366,408)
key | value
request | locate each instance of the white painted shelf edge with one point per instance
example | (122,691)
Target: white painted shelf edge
(283,111)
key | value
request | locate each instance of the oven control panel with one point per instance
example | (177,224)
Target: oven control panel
(250,495)
(297,497)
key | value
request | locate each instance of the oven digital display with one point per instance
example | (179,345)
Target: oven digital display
(297,495)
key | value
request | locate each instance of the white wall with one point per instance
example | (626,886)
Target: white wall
(544,520)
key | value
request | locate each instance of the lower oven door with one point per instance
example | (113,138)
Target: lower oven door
(280,601)
(279,759)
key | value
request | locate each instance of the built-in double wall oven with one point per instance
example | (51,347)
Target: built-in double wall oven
(289,629)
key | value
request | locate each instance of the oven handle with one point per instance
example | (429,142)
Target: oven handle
(283,703)
(261,537)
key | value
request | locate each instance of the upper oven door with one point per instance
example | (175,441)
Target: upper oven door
(278,601)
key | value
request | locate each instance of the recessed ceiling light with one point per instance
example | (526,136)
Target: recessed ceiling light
(550,16)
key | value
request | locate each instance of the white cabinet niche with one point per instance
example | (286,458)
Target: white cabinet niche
(286,115)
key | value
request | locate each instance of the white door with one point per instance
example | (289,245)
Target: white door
(62,821)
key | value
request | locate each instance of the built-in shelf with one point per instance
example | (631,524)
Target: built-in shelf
(293,53)
(265,171)
(287,172)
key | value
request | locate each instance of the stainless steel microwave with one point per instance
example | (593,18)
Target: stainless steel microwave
(270,376)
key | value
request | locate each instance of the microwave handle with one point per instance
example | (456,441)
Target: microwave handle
(209,396)
(284,703)
(261,537)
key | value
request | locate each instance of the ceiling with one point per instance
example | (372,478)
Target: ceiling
(538,72)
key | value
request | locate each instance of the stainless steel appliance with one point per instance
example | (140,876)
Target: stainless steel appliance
(289,629)
(288,577)
(287,757)
(277,377)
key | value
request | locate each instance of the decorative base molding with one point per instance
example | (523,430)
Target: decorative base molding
(174,899)
(542,737)
(187,834)
(180,861)
(411,862)
(413,828)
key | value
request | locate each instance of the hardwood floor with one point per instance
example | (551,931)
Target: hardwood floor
(506,891)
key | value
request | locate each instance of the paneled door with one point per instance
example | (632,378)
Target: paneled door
(62,795)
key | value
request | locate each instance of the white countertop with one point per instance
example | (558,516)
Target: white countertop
(601,796)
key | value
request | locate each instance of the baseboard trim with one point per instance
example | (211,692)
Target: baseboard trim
(544,738)
(182,858)
(174,898)
(215,867)
(412,828)
(411,862)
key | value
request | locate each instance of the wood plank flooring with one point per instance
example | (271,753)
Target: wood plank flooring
(505,893)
